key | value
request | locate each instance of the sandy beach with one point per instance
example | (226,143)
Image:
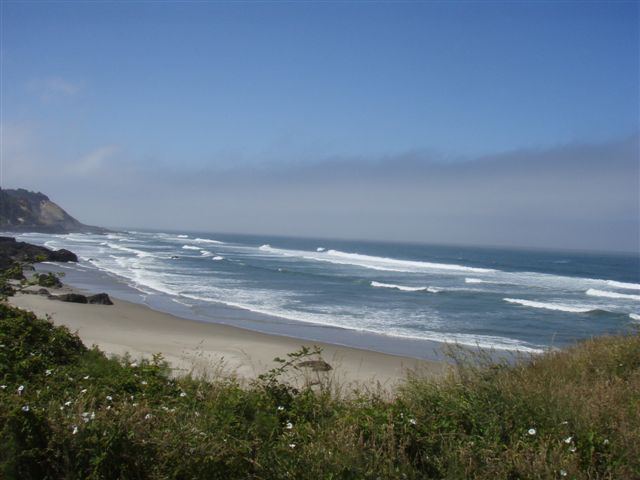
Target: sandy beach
(203,348)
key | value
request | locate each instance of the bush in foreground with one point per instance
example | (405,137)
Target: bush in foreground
(69,412)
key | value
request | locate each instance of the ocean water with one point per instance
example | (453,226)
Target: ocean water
(398,298)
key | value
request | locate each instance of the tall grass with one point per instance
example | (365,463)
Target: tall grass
(566,414)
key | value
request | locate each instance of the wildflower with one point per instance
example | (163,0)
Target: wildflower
(197,414)
(134,365)
(25,408)
(3,387)
(568,440)
(74,430)
(67,403)
(108,407)
(280,408)
(563,473)
(134,404)
(109,398)
(572,449)
(531,431)
(148,416)
(183,394)
(20,389)
(564,423)
(289,425)
(412,421)
(48,372)
(292,445)
(606,441)
(143,382)
(86,377)
(84,390)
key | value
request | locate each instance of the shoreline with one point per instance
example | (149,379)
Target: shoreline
(202,348)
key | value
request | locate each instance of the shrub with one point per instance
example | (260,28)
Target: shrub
(574,413)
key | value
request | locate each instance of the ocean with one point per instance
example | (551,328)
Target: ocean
(397,298)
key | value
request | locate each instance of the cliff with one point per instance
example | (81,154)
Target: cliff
(22,210)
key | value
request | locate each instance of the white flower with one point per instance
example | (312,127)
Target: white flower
(134,404)
(280,408)
(572,449)
(108,407)
(143,382)
(93,415)
(25,408)
(20,389)
(412,421)
(531,431)
(109,398)
(148,416)
(564,423)
(47,372)
(568,440)
(183,394)
(606,441)
(74,430)
(67,403)
(84,390)
(289,425)
(134,365)
(3,387)
(292,445)
(563,473)
(86,377)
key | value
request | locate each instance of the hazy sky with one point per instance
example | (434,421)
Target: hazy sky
(508,123)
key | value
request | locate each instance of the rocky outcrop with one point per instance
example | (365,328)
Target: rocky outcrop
(12,251)
(98,299)
(25,211)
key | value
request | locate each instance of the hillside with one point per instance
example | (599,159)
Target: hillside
(22,210)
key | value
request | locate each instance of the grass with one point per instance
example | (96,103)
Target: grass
(565,414)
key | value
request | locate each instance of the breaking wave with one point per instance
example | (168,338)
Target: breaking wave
(371,261)
(405,288)
(190,247)
(604,293)
(207,240)
(552,306)
(625,285)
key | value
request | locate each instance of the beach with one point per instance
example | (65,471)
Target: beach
(207,349)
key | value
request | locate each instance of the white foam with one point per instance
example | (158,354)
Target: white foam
(217,258)
(605,293)
(551,306)
(628,286)
(190,247)
(320,249)
(205,253)
(207,240)
(399,287)
(634,316)
(138,253)
(183,236)
(372,262)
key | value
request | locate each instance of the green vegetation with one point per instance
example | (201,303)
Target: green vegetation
(49,279)
(67,411)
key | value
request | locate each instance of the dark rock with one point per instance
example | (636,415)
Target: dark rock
(50,280)
(70,297)
(100,299)
(316,365)
(12,251)
(63,255)
(43,291)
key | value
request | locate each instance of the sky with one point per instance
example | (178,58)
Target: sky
(489,123)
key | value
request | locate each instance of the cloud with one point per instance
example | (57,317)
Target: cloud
(53,88)
(581,196)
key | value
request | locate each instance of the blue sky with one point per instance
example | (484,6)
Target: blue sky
(160,87)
